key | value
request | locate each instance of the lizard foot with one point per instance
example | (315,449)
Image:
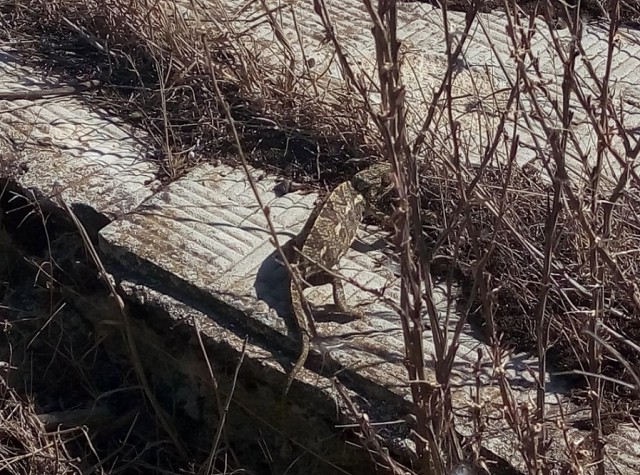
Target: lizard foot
(341,301)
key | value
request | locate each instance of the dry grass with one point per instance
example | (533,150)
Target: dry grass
(25,446)
(546,252)
(150,60)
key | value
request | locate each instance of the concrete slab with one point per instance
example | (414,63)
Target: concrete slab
(96,160)
(207,231)
(483,76)
(203,239)
(204,242)
(174,346)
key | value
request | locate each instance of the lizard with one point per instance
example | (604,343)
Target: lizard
(324,239)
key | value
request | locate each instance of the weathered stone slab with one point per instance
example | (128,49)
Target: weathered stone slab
(203,241)
(207,231)
(95,159)
(483,74)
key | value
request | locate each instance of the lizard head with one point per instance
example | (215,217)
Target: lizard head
(376,186)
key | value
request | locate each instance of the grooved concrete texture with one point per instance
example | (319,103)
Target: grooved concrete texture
(98,162)
(482,75)
(203,239)
(207,232)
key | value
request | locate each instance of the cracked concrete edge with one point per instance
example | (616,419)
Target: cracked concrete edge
(150,245)
(312,397)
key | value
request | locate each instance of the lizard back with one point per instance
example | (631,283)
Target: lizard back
(333,230)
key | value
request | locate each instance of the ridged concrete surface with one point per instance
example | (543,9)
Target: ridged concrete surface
(95,159)
(205,236)
(485,68)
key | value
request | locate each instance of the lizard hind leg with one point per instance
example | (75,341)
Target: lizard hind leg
(341,301)
(339,298)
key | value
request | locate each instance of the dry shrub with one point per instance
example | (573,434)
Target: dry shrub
(514,269)
(149,57)
(26,448)
(150,60)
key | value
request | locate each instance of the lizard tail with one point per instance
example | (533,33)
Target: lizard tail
(302,359)
(299,310)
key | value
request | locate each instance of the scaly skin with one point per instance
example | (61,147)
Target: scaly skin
(325,238)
